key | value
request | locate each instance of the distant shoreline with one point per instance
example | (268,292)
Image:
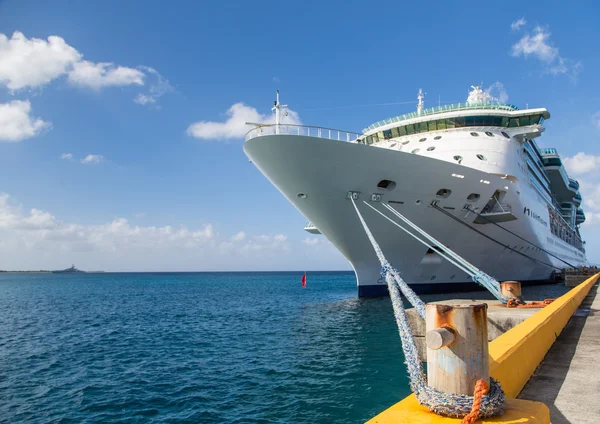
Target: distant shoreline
(175,272)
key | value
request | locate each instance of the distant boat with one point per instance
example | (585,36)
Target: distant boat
(71,270)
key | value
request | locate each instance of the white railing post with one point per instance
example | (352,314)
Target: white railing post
(329,135)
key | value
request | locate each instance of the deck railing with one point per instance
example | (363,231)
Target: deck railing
(302,130)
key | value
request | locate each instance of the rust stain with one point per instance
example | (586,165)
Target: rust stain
(444,316)
(479,315)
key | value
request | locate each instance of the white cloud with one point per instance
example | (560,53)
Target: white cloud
(34,239)
(234,126)
(33,62)
(239,236)
(100,75)
(17,124)
(537,44)
(158,87)
(30,63)
(516,25)
(582,163)
(92,159)
(596,119)
(497,90)
(68,156)
(311,241)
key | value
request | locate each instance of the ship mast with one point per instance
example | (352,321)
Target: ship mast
(420,104)
(276,107)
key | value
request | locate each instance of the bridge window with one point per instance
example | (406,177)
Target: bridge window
(387,134)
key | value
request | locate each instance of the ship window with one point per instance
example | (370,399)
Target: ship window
(459,122)
(369,140)
(386,184)
(473,197)
(450,123)
(441,124)
(423,126)
(458,158)
(525,120)
(432,125)
(422,139)
(481,157)
(474,134)
(443,192)
(393,145)
(406,142)
(410,129)
(470,121)
(505,135)
(387,134)
(514,122)
(401,131)
(415,151)
(489,134)
(504,122)
(437,137)
(395,132)
(429,149)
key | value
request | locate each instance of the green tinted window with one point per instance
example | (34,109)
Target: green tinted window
(514,122)
(423,126)
(441,124)
(459,122)
(450,123)
(432,125)
(401,131)
(470,121)
(387,134)
(525,120)
(504,122)
(395,132)
(410,129)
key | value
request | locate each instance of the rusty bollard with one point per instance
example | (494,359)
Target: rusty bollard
(457,347)
(511,289)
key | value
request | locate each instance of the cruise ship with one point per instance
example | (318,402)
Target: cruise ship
(469,174)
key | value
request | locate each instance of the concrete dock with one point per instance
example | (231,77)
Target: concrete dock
(568,380)
(546,377)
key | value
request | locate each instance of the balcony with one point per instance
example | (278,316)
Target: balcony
(495,212)
(309,227)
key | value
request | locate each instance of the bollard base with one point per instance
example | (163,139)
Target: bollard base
(516,411)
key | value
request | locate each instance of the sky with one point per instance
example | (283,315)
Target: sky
(121,123)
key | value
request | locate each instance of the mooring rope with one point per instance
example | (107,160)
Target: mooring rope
(447,404)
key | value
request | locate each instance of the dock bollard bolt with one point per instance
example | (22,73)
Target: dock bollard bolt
(511,289)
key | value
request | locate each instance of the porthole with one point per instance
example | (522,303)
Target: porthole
(437,137)
(416,151)
(429,149)
(473,197)
(489,134)
(301,196)
(386,184)
(443,192)
(458,158)
(418,202)
(481,157)
(423,139)
(393,145)
(406,142)
(505,135)
(474,134)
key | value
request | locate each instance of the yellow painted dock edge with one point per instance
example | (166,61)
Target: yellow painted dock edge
(514,356)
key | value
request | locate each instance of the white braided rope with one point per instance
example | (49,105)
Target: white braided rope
(441,403)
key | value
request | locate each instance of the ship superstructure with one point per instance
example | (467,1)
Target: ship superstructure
(469,174)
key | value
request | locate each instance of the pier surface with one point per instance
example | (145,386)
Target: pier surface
(568,381)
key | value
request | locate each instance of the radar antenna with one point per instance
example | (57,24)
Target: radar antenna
(276,107)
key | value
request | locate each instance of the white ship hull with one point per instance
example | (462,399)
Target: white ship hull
(326,170)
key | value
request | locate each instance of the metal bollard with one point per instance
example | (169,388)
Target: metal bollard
(457,347)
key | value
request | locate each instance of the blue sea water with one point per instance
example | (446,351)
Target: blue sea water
(196,347)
